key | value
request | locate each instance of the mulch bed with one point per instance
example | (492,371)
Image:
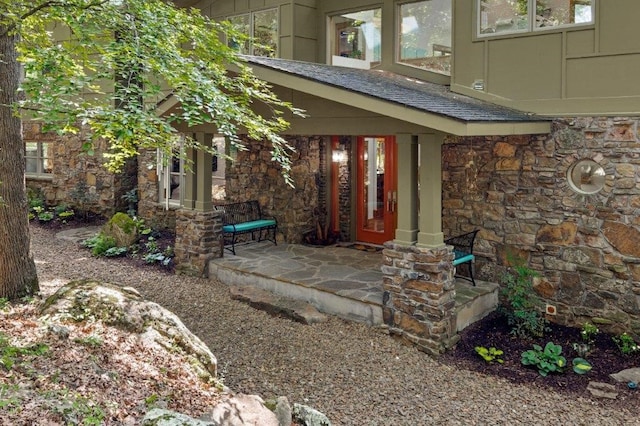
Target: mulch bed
(605,357)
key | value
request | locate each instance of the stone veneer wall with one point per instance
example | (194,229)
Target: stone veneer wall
(344,190)
(254,176)
(78,179)
(197,241)
(419,296)
(586,248)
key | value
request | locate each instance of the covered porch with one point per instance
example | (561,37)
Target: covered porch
(336,280)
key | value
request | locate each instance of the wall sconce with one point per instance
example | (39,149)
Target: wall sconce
(339,156)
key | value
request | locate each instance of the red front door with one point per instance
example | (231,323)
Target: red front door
(376,209)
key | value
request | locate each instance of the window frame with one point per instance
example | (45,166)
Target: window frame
(398,42)
(39,159)
(251,16)
(532,27)
(348,61)
(164,170)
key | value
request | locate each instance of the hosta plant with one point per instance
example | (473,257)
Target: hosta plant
(490,354)
(547,360)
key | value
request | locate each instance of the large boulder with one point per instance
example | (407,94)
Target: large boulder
(122,228)
(126,309)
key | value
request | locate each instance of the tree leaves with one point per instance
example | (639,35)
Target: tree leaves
(108,65)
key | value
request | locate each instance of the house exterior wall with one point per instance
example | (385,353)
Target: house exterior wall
(254,176)
(581,69)
(78,180)
(515,190)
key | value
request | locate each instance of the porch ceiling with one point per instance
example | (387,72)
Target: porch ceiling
(392,95)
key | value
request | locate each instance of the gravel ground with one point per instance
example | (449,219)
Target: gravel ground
(355,374)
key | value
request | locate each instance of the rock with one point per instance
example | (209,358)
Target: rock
(283,411)
(243,410)
(308,416)
(122,228)
(61,331)
(161,417)
(126,309)
(278,305)
(626,376)
(602,390)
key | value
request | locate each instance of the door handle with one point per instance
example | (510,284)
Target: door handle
(389,201)
(395,201)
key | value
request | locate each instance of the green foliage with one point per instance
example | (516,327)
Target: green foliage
(4,302)
(581,366)
(90,341)
(490,354)
(589,332)
(100,244)
(156,42)
(8,398)
(10,354)
(547,360)
(131,197)
(77,410)
(626,344)
(520,303)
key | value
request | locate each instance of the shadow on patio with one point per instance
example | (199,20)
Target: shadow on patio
(336,280)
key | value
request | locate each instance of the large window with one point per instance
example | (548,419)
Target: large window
(424,38)
(171,176)
(38,159)
(508,16)
(356,39)
(261,27)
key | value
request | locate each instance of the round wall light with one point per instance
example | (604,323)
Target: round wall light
(586,177)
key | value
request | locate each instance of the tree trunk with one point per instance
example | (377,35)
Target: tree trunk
(18,275)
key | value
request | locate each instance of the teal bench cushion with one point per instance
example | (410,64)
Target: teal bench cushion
(462,257)
(248,226)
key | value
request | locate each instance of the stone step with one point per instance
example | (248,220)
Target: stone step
(274,304)
(475,303)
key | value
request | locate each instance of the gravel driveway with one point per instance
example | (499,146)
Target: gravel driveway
(355,374)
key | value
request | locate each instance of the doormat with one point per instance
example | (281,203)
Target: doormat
(364,247)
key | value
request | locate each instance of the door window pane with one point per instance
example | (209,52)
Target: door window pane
(373,169)
(425,35)
(357,39)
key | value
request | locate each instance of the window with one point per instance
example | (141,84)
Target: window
(262,27)
(171,177)
(38,159)
(356,39)
(424,36)
(508,16)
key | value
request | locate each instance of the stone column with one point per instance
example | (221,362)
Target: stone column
(419,296)
(407,230)
(197,240)
(430,234)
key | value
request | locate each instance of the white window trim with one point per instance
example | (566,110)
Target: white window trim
(164,171)
(532,28)
(39,173)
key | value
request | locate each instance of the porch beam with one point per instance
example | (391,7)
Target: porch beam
(407,228)
(430,220)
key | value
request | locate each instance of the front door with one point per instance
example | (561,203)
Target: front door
(376,198)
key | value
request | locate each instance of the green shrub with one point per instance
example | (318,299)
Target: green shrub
(520,303)
(581,366)
(626,344)
(100,244)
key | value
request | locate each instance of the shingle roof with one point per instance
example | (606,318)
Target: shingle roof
(401,90)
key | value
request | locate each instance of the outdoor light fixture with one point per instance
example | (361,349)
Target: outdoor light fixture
(339,156)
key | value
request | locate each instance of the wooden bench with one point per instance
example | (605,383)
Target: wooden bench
(245,218)
(463,251)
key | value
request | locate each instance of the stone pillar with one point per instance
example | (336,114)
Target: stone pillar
(407,230)
(430,234)
(197,240)
(419,296)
